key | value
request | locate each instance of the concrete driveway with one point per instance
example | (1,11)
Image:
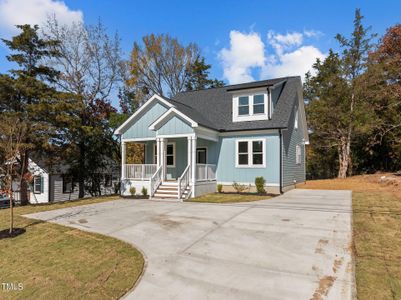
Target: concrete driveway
(296,246)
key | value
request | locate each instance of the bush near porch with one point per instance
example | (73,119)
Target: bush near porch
(57,262)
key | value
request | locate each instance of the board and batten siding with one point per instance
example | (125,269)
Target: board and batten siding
(175,125)
(140,128)
(292,172)
(227,172)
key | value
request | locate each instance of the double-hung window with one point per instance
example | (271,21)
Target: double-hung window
(298,155)
(243,106)
(251,107)
(68,184)
(37,184)
(250,153)
(170,154)
(258,104)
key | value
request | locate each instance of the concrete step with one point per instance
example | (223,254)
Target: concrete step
(165,195)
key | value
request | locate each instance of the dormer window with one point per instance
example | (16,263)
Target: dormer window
(250,106)
(243,105)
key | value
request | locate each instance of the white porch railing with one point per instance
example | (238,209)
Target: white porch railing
(139,172)
(155,181)
(183,182)
(205,172)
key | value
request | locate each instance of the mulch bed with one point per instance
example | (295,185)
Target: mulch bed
(5,234)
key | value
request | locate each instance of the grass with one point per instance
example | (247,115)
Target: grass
(229,198)
(376,234)
(57,262)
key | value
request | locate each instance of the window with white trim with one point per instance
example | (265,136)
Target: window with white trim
(250,106)
(250,153)
(37,184)
(243,105)
(170,154)
(298,155)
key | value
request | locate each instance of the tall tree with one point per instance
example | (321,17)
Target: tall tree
(336,108)
(25,94)
(90,67)
(163,66)
(198,78)
(13,133)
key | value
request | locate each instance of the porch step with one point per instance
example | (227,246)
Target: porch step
(169,190)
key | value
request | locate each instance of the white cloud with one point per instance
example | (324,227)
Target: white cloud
(246,52)
(294,63)
(289,56)
(17,12)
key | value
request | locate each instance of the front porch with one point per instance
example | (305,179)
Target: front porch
(169,167)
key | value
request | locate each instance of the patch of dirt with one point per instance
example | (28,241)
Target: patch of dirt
(83,221)
(337,264)
(285,220)
(320,244)
(5,234)
(325,283)
(166,222)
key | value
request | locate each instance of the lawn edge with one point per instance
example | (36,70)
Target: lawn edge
(145,258)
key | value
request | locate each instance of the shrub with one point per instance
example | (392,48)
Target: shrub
(260,185)
(239,187)
(132,190)
(220,188)
(144,191)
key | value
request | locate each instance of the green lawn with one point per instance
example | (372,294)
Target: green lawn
(228,198)
(56,262)
(376,234)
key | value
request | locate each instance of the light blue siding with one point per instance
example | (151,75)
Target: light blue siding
(140,128)
(175,126)
(292,172)
(212,150)
(227,172)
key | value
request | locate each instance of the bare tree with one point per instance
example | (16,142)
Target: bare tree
(162,65)
(89,61)
(12,134)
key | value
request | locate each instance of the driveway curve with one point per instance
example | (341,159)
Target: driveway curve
(295,246)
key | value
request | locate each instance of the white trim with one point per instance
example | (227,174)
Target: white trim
(247,183)
(296,118)
(207,134)
(250,116)
(171,111)
(120,130)
(250,153)
(172,136)
(250,132)
(139,139)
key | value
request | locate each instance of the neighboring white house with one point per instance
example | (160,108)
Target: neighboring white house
(219,135)
(55,184)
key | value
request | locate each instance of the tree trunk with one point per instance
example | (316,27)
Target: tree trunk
(24,195)
(81,179)
(11,211)
(344,155)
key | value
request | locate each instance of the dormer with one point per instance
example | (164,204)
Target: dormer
(251,105)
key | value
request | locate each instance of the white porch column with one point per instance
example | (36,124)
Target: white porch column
(193,164)
(163,157)
(158,152)
(123,158)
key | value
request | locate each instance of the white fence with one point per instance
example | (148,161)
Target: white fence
(205,172)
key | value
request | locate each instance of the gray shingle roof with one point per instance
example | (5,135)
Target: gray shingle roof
(212,108)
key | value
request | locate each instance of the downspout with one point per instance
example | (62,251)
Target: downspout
(281,161)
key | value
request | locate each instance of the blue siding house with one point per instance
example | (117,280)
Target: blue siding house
(199,139)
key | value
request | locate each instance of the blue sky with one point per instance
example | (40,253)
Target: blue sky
(243,40)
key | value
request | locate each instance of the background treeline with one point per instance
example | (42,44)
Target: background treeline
(353,103)
(56,103)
